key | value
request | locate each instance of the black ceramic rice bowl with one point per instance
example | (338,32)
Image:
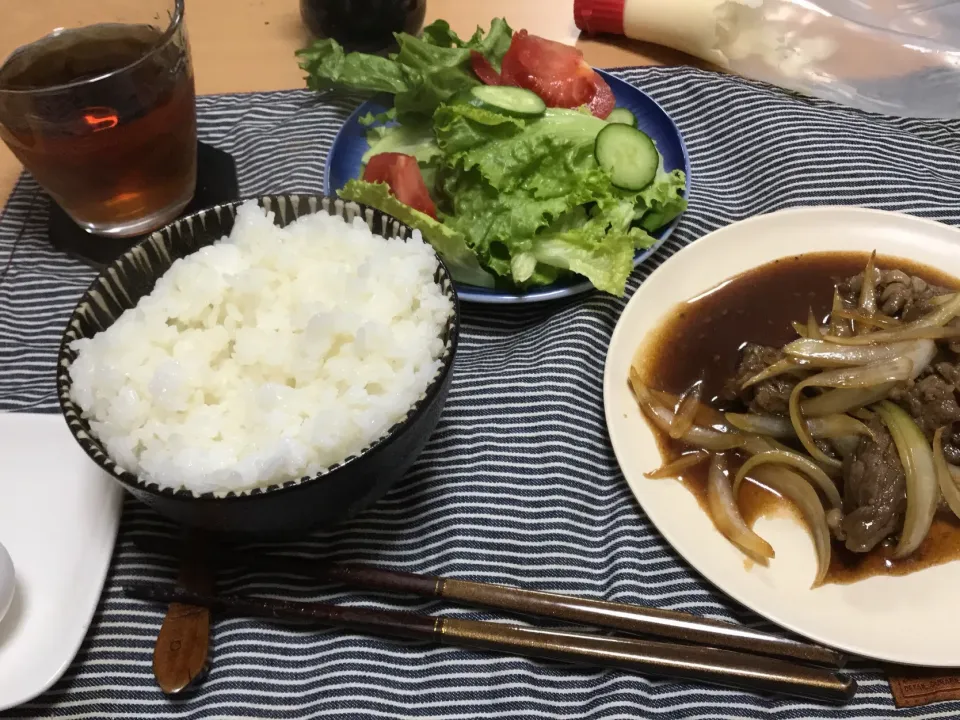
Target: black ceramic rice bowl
(297,505)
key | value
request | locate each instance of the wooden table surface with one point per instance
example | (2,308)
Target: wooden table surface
(248,45)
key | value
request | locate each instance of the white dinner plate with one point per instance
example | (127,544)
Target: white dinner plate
(909,619)
(58,520)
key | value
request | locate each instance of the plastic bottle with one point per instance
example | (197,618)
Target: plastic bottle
(899,57)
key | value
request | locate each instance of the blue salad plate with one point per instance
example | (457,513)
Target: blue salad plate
(350,144)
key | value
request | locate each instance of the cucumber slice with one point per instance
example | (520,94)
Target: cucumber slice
(628,155)
(513,101)
(623,117)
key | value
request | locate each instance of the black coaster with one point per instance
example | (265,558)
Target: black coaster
(216,184)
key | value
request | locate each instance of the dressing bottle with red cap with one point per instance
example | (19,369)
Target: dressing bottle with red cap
(687,25)
(898,59)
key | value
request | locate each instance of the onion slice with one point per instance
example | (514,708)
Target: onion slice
(772,425)
(925,327)
(663,417)
(828,426)
(876,320)
(868,294)
(706,415)
(781,367)
(798,491)
(907,333)
(686,410)
(923,492)
(837,326)
(843,400)
(756,444)
(726,515)
(675,468)
(798,462)
(822,353)
(800,429)
(861,377)
(941,300)
(803,331)
(865,376)
(813,327)
(846,446)
(948,486)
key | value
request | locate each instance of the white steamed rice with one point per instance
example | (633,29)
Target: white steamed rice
(270,355)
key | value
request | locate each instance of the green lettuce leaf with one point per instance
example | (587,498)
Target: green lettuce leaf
(493,43)
(621,217)
(590,247)
(598,245)
(370,119)
(548,156)
(424,73)
(498,225)
(452,247)
(444,72)
(439,33)
(532,201)
(416,140)
(329,67)
(460,128)
(661,201)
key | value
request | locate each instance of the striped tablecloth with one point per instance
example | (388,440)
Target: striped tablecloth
(519,484)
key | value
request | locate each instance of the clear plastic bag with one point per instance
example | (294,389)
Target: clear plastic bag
(900,57)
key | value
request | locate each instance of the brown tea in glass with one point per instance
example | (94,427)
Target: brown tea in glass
(103,115)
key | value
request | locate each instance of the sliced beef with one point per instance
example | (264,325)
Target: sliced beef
(874,489)
(897,294)
(931,401)
(951,445)
(954,345)
(948,371)
(827,448)
(769,396)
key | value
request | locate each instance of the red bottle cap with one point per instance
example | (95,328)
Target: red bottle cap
(599,16)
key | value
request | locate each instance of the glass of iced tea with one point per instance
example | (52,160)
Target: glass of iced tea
(98,104)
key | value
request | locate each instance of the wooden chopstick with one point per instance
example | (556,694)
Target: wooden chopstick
(632,619)
(181,653)
(687,662)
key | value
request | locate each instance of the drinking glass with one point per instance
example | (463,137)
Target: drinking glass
(98,104)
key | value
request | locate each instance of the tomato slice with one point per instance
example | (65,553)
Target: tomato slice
(402,174)
(483,69)
(603,101)
(554,71)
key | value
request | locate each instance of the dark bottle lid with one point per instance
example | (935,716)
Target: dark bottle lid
(364,25)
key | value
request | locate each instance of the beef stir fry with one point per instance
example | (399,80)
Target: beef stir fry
(855,421)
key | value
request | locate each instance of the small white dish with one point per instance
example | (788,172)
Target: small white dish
(58,518)
(906,619)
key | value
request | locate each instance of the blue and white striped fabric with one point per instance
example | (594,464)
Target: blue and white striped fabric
(519,484)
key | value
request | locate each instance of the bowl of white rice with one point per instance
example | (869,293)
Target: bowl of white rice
(263,367)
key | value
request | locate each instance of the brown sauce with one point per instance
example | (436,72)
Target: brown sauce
(702,341)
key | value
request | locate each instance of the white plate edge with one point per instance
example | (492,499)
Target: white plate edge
(609,388)
(114,495)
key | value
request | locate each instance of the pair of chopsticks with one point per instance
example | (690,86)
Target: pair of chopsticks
(688,647)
